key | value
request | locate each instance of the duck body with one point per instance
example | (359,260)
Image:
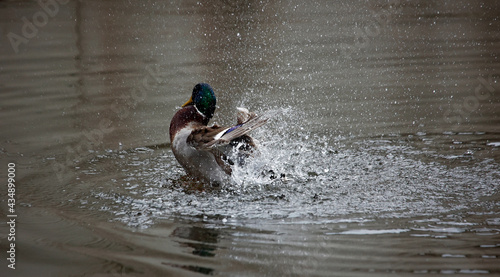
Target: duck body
(208,152)
(198,163)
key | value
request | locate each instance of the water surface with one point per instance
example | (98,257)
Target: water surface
(383,157)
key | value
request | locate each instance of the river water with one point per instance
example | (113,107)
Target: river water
(383,156)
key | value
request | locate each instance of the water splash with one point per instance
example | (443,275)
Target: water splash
(298,174)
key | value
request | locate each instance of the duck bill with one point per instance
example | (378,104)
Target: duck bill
(189,102)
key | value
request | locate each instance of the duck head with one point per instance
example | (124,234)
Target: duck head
(203,98)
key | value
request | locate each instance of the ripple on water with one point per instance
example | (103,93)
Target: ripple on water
(306,175)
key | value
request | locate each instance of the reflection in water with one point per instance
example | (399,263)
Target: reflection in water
(203,240)
(387,133)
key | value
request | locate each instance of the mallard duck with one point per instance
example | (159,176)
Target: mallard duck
(208,152)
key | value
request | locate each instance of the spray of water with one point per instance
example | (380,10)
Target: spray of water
(298,175)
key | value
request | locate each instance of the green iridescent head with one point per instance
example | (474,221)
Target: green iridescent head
(203,98)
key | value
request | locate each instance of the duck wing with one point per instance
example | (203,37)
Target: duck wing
(202,136)
(205,138)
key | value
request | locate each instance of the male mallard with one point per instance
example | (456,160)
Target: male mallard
(208,153)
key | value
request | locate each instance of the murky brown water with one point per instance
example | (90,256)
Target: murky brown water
(387,130)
